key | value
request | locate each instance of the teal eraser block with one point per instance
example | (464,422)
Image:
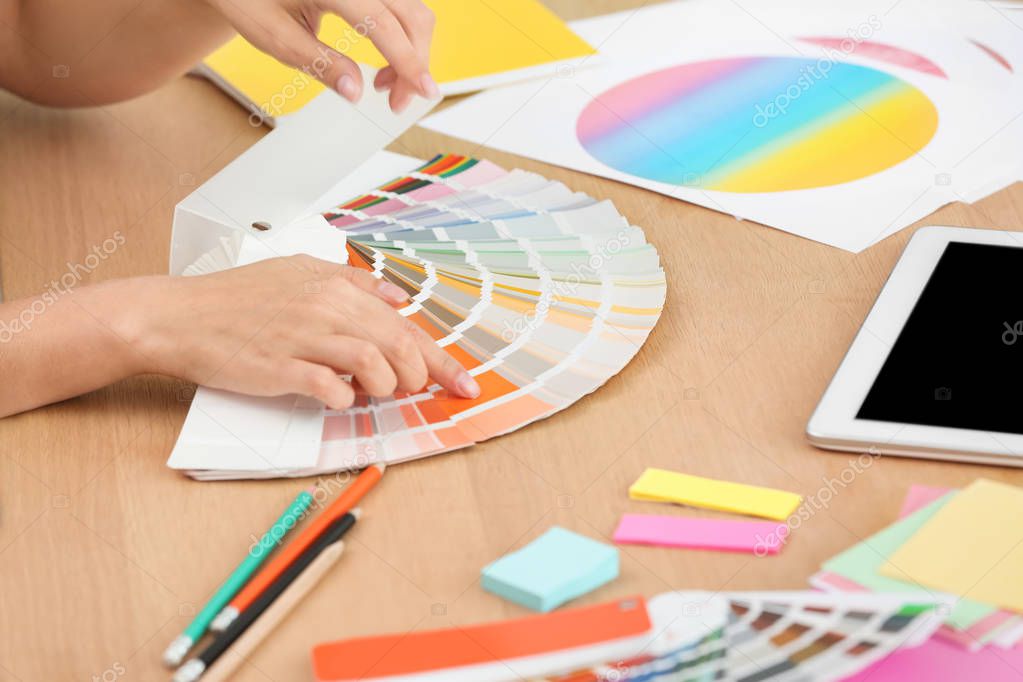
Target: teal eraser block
(558,566)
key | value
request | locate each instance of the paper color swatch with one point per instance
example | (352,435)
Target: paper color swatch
(938,661)
(485,651)
(919,496)
(556,567)
(996,626)
(661,485)
(972,547)
(760,537)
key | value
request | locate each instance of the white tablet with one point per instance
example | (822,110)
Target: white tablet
(935,370)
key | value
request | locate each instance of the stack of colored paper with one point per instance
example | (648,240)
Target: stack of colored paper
(965,543)
(554,568)
(661,485)
(541,293)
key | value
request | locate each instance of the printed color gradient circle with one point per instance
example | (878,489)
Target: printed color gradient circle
(758,124)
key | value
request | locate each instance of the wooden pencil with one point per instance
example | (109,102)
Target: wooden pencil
(362,484)
(271,618)
(196,667)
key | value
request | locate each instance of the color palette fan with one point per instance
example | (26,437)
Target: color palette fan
(541,293)
(688,636)
(768,636)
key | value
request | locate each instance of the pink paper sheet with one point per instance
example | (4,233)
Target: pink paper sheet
(919,496)
(759,537)
(938,661)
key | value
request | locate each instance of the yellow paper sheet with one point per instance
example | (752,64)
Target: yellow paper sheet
(661,485)
(973,547)
(472,39)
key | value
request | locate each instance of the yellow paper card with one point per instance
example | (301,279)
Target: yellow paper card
(473,39)
(661,485)
(973,547)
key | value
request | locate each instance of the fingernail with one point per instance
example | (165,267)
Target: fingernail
(467,386)
(385,83)
(392,292)
(346,86)
(429,87)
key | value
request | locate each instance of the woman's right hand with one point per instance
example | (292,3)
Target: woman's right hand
(285,325)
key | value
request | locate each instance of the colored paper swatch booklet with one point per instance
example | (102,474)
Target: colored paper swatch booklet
(477,44)
(679,637)
(775,114)
(540,292)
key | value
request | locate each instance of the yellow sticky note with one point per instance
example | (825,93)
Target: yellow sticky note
(972,547)
(661,485)
(473,39)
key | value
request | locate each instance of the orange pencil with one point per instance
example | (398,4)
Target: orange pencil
(279,563)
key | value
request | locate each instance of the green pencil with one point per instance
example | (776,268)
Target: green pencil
(177,650)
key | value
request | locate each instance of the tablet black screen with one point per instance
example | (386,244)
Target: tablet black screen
(958,360)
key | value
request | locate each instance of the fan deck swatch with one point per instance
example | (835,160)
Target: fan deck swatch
(541,293)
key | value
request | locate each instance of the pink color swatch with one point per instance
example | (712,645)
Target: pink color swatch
(879,51)
(758,537)
(919,496)
(937,661)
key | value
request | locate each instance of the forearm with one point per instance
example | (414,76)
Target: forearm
(68,53)
(63,343)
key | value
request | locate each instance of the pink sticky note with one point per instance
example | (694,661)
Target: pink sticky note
(759,537)
(937,661)
(919,496)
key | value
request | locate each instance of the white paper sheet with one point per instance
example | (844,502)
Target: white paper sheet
(961,161)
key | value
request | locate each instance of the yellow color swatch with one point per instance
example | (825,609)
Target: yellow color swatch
(661,485)
(972,547)
(473,39)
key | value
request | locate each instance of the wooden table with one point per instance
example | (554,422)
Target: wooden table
(105,553)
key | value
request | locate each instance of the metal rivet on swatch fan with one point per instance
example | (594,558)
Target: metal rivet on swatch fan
(261,225)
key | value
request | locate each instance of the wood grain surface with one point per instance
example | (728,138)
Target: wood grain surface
(105,553)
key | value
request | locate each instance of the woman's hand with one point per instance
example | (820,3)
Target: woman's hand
(286,325)
(400,29)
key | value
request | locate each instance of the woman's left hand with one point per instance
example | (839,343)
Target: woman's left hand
(400,29)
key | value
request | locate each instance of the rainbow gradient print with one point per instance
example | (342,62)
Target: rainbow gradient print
(757,124)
